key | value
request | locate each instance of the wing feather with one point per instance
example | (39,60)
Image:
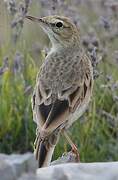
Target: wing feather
(53,114)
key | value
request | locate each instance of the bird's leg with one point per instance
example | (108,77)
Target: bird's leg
(73,146)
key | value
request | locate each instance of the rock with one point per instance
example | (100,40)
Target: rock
(6,171)
(22,163)
(80,171)
(68,157)
(23,167)
(13,166)
(29,176)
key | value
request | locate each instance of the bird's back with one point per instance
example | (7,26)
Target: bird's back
(62,71)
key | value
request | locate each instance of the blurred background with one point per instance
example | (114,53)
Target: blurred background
(22,49)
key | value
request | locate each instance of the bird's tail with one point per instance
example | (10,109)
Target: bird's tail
(44,149)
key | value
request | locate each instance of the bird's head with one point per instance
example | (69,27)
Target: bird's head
(60,30)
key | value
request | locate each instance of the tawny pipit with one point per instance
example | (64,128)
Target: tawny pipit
(63,85)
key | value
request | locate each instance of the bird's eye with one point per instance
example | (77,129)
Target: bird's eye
(59,24)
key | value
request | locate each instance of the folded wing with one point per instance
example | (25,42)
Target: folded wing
(55,113)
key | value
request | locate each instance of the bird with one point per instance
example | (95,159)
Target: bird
(63,86)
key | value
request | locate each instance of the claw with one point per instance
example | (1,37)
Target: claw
(74,147)
(76,152)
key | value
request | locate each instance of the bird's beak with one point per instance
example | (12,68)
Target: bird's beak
(44,24)
(35,19)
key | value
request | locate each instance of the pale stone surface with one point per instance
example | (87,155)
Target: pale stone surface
(80,171)
(22,163)
(22,167)
(6,171)
(29,176)
(68,157)
(13,166)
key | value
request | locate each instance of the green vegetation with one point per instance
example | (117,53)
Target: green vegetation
(96,134)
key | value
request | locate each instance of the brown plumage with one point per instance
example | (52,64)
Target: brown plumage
(63,85)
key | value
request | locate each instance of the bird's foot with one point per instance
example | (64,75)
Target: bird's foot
(76,152)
